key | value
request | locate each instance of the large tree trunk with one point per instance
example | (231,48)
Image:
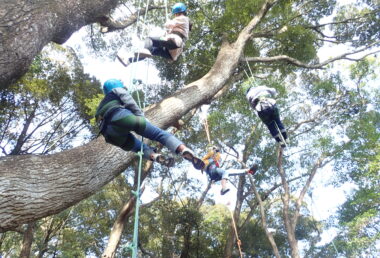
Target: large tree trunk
(27,26)
(32,187)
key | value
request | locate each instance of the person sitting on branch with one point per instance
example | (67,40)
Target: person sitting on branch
(118,114)
(262,100)
(216,173)
(169,46)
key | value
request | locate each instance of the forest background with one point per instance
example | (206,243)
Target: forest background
(329,103)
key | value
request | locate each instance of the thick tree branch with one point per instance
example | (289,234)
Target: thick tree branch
(111,25)
(26,181)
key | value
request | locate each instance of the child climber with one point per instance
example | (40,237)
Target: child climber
(262,100)
(170,46)
(118,114)
(211,161)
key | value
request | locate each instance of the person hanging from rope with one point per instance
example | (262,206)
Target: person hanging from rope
(216,173)
(262,100)
(169,46)
(118,114)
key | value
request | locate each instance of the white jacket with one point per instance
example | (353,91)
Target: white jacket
(179,24)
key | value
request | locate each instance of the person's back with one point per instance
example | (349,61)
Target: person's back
(254,94)
(261,99)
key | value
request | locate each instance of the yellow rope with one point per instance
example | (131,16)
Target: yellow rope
(236,234)
(207,130)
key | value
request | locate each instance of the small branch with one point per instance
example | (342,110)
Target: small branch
(296,62)
(263,219)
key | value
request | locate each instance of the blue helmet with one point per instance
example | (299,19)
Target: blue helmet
(179,8)
(111,84)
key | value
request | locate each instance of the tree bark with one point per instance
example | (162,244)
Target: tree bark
(289,226)
(27,240)
(27,26)
(264,221)
(32,187)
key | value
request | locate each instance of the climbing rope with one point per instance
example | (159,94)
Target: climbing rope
(236,234)
(205,123)
(134,246)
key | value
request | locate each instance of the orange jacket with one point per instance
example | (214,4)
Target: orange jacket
(211,156)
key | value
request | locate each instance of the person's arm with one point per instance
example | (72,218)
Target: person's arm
(272,92)
(208,155)
(128,101)
(169,25)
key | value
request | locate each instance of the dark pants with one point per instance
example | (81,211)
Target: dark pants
(158,47)
(271,117)
(118,132)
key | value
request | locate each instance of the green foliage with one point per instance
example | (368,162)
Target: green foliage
(295,42)
(361,31)
(42,106)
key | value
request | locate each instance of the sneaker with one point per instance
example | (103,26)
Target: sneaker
(143,53)
(166,161)
(190,156)
(253,169)
(125,61)
(224,191)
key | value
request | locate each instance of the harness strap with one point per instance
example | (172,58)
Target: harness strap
(178,34)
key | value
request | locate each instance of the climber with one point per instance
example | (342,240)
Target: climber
(169,46)
(262,100)
(215,173)
(118,114)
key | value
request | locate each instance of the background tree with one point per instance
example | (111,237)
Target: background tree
(279,38)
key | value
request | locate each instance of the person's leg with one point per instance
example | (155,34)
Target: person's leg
(237,172)
(122,138)
(155,133)
(224,175)
(118,133)
(279,123)
(158,47)
(160,43)
(128,60)
(267,116)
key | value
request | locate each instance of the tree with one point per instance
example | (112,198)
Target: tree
(86,166)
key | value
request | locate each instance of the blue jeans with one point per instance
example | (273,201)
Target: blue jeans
(215,173)
(123,121)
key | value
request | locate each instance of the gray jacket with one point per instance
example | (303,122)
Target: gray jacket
(116,98)
(257,94)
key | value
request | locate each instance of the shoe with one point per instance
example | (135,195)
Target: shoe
(166,161)
(253,169)
(143,53)
(123,60)
(224,191)
(190,156)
